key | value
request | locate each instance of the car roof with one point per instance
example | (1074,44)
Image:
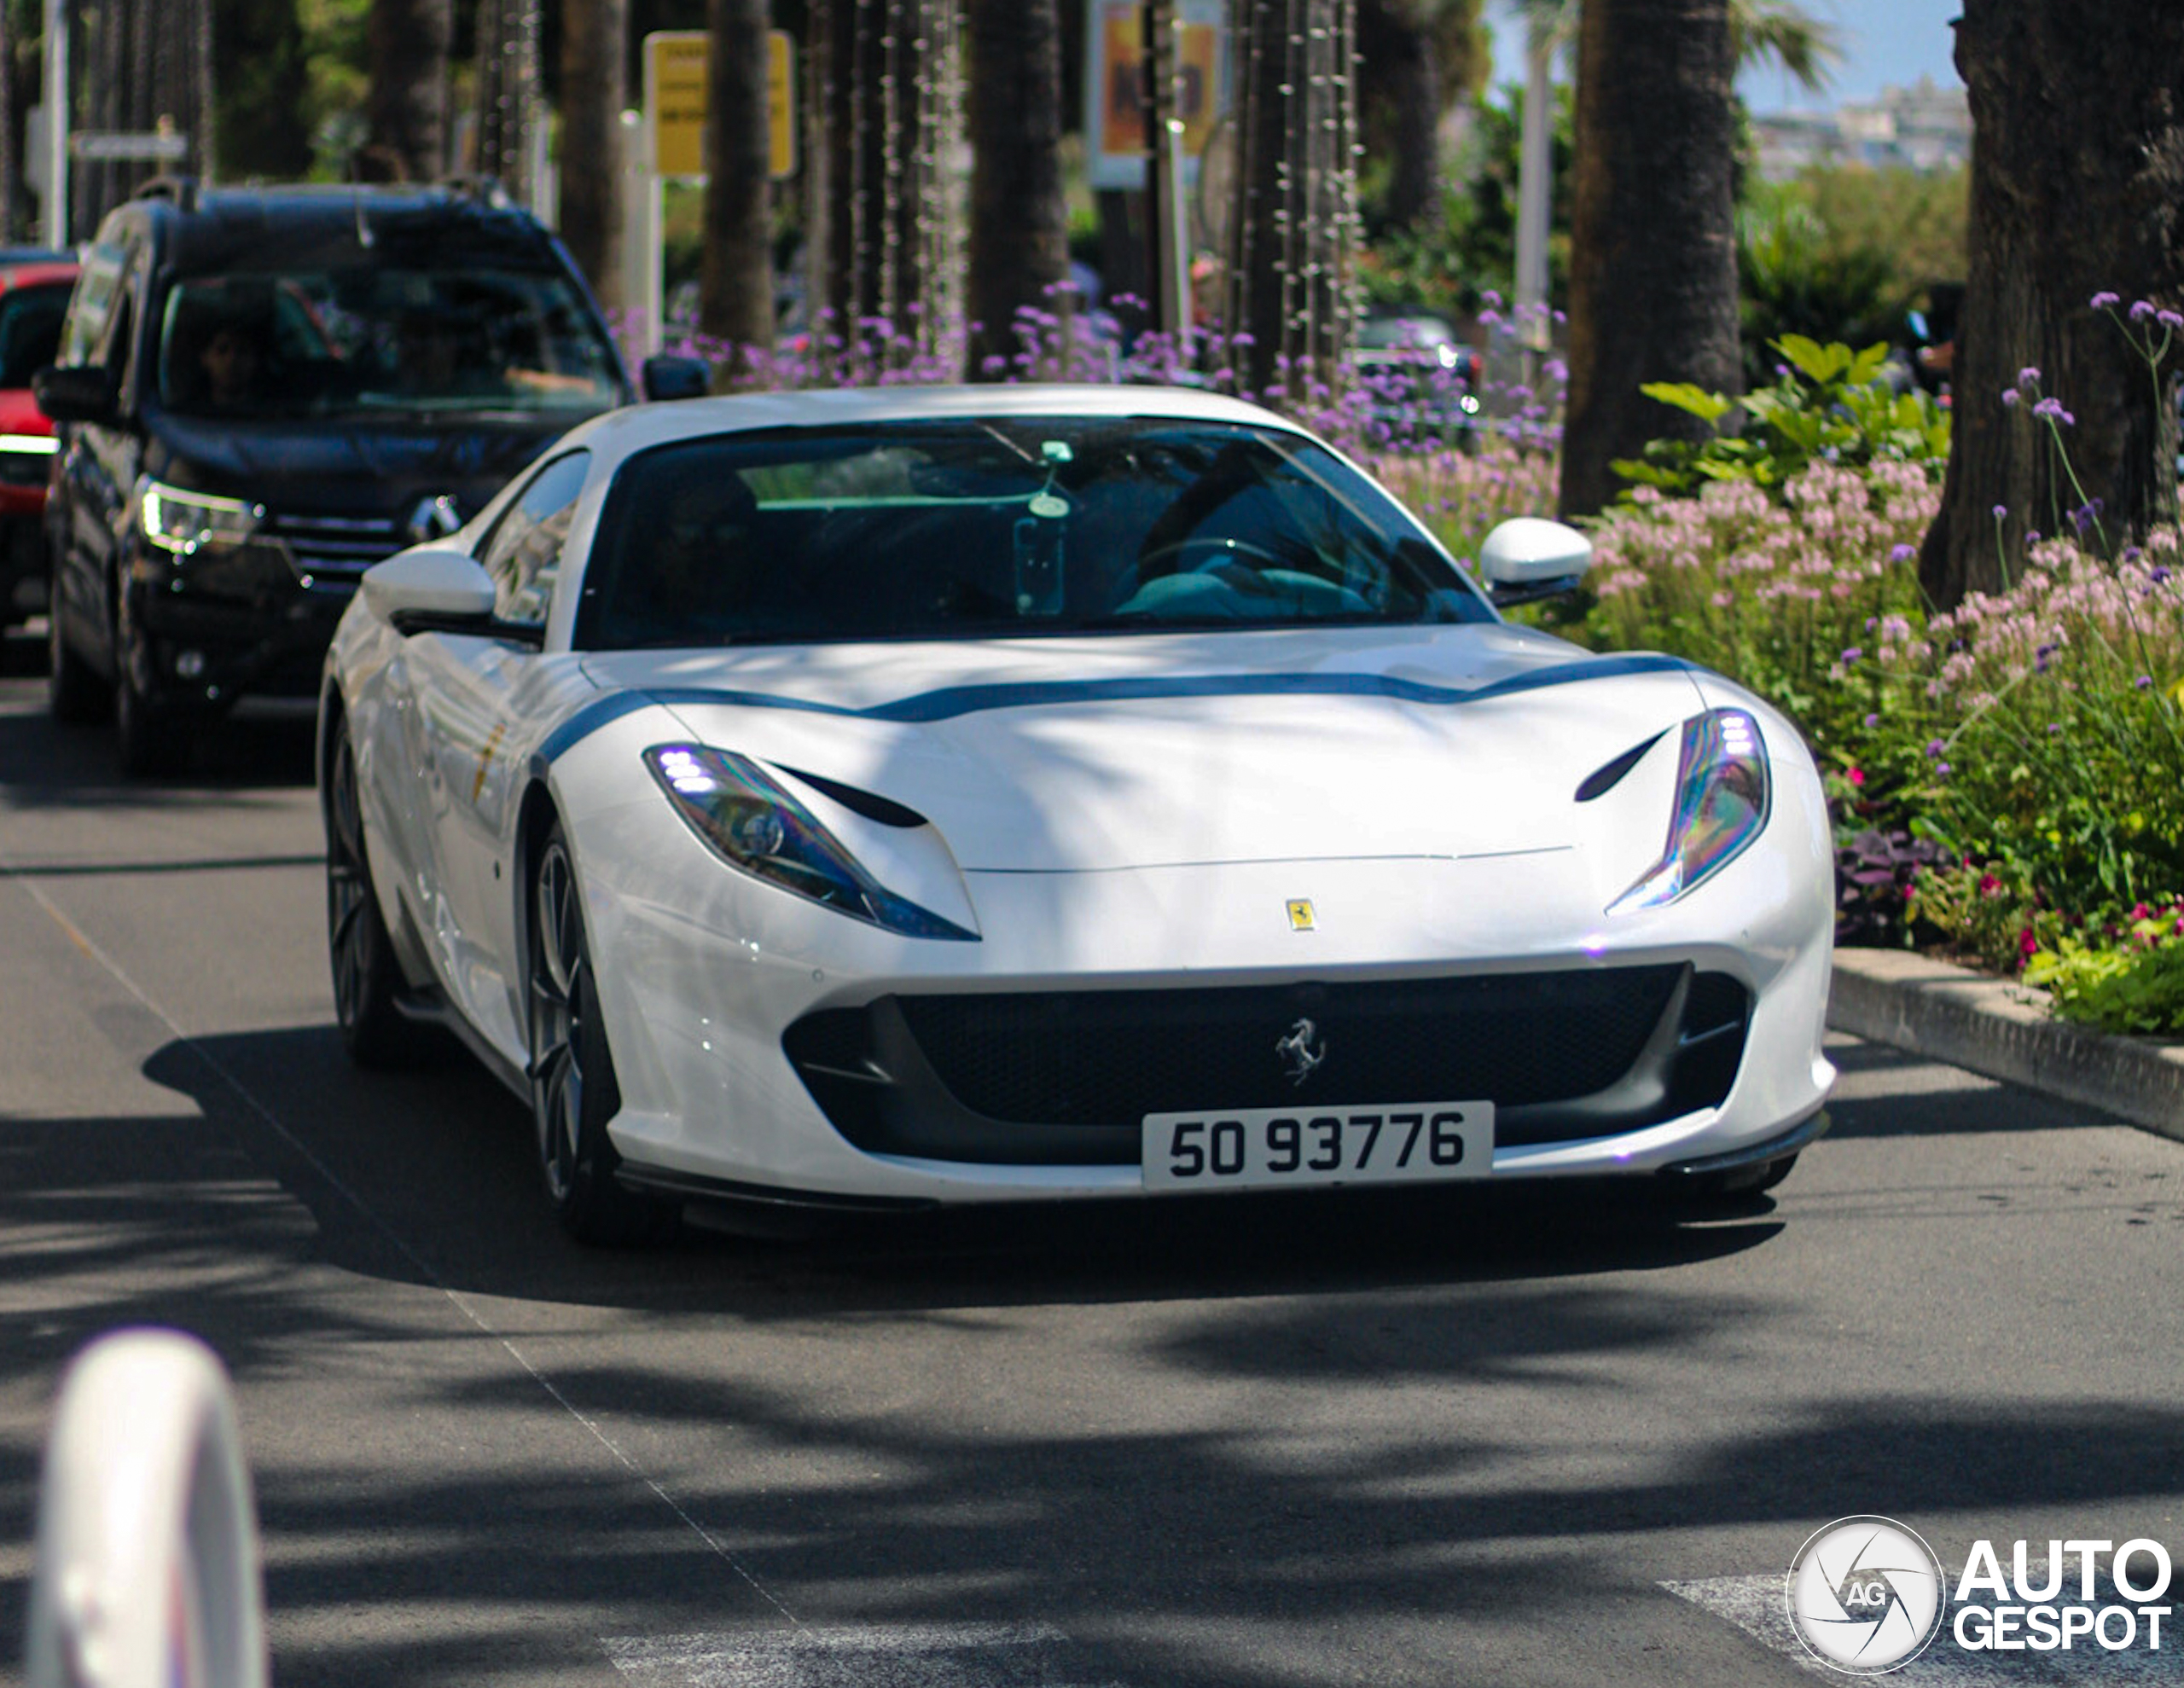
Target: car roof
(639,426)
(292,225)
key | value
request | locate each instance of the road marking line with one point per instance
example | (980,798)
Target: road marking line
(850,1655)
(1756,1605)
(424,1269)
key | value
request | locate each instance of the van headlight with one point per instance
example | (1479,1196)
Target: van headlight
(185,522)
(1722,799)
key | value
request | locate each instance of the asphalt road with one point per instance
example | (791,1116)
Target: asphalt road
(1456,1440)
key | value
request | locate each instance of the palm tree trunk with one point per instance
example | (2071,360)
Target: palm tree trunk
(2077,157)
(1291,258)
(1019,223)
(890,93)
(594,87)
(1652,271)
(736,290)
(406,108)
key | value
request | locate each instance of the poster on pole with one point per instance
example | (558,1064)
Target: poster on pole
(1114,112)
(678,80)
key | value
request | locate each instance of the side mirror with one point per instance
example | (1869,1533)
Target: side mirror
(1527,559)
(81,392)
(668,377)
(435,581)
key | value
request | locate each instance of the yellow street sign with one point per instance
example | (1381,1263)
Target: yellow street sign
(678,87)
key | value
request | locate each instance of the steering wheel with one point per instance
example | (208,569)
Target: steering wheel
(1228,548)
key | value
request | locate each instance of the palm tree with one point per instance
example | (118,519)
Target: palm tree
(1019,222)
(1414,57)
(1652,268)
(1291,271)
(736,286)
(594,87)
(406,104)
(1760,31)
(2076,146)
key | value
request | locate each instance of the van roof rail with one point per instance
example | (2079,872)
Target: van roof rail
(180,190)
(485,189)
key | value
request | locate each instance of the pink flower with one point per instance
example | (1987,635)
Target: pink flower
(1856,776)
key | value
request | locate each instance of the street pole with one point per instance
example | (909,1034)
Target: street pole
(56,124)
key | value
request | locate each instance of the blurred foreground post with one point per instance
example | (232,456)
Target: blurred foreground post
(146,1574)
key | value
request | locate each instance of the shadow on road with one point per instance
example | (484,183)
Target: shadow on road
(46,764)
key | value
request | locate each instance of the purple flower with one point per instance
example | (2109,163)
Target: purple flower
(2170,319)
(1853,653)
(2028,377)
(1872,721)
(2009,397)
(2105,301)
(1942,768)
(2051,411)
(2159,576)
(2141,309)
(2001,510)
(1936,746)
(2144,682)
(1902,553)
(2055,726)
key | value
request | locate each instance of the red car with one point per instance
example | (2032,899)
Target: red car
(34,289)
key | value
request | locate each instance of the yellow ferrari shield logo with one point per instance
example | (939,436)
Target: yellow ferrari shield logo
(1300,915)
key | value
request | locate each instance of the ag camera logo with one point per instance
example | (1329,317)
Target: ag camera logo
(1866,1595)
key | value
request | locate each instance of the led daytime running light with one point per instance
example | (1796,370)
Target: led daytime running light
(183,522)
(1722,797)
(752,822)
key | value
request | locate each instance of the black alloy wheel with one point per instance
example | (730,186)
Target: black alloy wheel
(573,1092)
(367,978)
(73,691)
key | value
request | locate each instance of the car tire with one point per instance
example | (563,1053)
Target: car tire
(367,978)
(574,1091)
(150,739)
(73,691)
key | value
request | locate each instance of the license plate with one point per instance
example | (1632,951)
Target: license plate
(1248,1148)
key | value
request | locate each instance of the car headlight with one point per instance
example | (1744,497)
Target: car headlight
(183,522)
(753,824)
(1721,806)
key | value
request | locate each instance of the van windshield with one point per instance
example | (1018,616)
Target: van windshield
(374,338)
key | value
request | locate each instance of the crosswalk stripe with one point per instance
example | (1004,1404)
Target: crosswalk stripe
(851,1655)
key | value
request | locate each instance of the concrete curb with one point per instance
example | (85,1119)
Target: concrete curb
(2003,1029)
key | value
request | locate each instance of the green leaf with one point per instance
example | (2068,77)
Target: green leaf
(1708,407)
(1819,363)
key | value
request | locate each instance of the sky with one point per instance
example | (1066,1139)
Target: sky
(1884,41)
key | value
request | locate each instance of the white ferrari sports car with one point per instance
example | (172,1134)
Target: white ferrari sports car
(875,799)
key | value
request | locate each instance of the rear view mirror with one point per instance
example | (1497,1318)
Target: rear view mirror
(1528,559)
(80,392)
(676,378)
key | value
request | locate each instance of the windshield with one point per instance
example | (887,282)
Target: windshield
(30,330)
(1002,527)
(380,337)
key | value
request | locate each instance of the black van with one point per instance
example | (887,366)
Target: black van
(263,392)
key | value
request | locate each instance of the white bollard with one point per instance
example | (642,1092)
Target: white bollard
(146,1573)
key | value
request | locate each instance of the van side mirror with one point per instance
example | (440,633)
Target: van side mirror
(1527,559)
(667,377)
(77,392)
